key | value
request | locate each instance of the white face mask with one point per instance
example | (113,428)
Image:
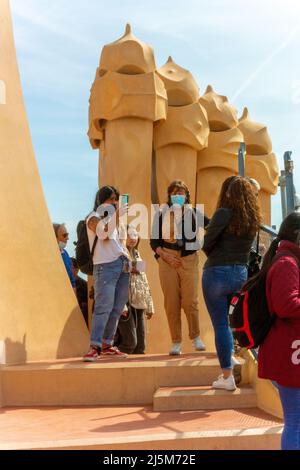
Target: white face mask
(62,245)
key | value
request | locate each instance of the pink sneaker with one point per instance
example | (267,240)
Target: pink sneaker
(92,355)
(113,351)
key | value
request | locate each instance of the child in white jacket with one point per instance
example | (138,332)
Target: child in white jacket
(130,336)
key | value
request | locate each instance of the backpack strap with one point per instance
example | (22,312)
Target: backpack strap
(94,246)
(257,242)
(96,238)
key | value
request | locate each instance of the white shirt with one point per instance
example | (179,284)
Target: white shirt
(108,250)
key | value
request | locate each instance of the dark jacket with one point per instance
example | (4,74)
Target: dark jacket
(189,225)
(279,354)
(223,248)
(81,290)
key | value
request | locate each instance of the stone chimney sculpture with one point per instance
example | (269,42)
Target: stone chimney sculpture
(260,161)
(127,97)
(185,132)
(219,160)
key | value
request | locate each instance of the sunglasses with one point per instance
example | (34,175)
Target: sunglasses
(65,235)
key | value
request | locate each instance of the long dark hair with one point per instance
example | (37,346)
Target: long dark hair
(237,194)
(289,230)
(103,194)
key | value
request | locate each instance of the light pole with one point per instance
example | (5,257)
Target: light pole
(297,202)
(282,184)
(241,157)
(289,182)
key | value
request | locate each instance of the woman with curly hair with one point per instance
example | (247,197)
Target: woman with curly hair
(227,244)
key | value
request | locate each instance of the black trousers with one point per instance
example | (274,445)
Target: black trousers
(130,337)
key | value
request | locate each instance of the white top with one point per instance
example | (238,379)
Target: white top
(110,250)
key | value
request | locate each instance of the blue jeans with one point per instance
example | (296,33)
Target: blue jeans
(290,400)
(218,283)
(111,294)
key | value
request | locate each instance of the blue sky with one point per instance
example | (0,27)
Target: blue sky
(248,51)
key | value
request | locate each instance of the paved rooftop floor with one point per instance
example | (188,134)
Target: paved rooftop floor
(35,428)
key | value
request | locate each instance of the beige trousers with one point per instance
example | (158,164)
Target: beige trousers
(180,289)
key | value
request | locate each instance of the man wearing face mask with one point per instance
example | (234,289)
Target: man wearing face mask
(176,248)
(62,238)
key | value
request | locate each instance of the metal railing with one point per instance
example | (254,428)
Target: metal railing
(288,192)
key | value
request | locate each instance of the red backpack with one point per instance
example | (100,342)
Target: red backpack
(249,315)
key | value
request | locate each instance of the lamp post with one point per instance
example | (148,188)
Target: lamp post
(282,184)
(289,182)
(297,202)
(241,157)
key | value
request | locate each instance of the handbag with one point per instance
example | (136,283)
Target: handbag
(138,291)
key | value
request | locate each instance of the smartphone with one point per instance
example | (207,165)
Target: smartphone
(125,199)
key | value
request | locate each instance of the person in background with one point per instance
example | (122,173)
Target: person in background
(279,354)
(177,252)
(111,272)
(81,290)
(227,244)
(62,238)
(255,185)
(131,328)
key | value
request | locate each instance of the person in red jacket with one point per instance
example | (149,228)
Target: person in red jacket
(279,354)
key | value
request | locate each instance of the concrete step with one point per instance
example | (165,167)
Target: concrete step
(202,398)
(133,428)
(131,381)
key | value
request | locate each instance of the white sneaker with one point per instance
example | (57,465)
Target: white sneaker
(226,384)
(198,344)
(235,361)
(175,350)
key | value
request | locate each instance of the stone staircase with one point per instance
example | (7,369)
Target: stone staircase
(202,398)
(144,402)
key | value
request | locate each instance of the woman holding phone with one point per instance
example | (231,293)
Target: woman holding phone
(111,276)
